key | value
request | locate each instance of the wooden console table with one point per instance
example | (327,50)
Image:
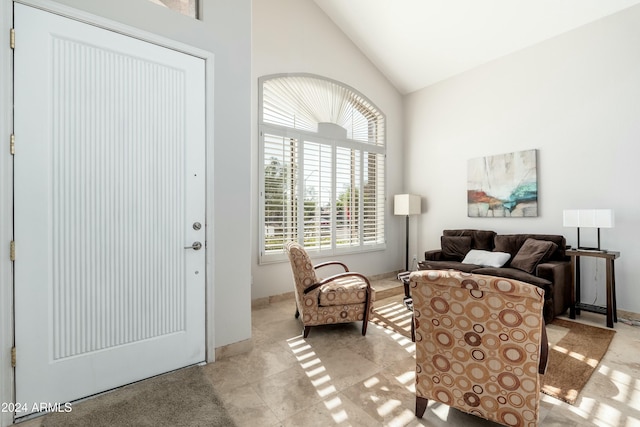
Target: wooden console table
(611,309)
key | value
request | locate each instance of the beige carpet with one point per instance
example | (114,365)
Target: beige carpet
(181,398)
(575,349)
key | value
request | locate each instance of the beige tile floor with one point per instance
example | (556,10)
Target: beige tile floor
(337,377)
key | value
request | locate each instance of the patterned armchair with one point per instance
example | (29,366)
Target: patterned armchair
(480,345)
(340,298)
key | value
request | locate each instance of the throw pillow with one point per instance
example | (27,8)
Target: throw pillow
(454,248)
(486,258)
(532,253)
(507,243)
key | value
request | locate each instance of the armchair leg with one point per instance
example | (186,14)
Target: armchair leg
(421,406)
(297,312)
(307,329)
(365,319)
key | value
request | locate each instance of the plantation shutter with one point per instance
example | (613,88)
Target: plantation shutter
(322,167)
(373,211)
(317,194)
(280,191)
(348,177)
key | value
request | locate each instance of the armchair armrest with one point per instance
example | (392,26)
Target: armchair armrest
(325,264)
(433,255)
(338,276)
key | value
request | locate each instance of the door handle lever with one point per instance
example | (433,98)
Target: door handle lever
(196,246)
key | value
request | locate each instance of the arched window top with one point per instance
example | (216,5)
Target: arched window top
(308,102)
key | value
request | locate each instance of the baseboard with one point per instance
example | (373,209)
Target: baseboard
(390,292)
(628,315)
(264,302)
(390,275)
(234,349)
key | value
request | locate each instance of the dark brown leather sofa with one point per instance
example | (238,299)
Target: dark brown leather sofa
(532,259)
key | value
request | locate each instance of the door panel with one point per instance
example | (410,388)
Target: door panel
(109,179)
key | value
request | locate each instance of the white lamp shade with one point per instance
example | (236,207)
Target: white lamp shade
(406,204)
(571,218)
(604,218)
(588,218)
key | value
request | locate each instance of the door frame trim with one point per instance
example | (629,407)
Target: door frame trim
(6,211)
(7,330)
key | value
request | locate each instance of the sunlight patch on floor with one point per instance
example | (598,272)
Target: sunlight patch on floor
(371,382)
(605,415)
(406,418)
(407,378)
(321,381)
(340,415)
(387,407)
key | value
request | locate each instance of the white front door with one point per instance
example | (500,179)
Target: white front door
(109,190)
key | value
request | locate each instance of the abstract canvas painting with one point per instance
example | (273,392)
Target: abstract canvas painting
(505,185)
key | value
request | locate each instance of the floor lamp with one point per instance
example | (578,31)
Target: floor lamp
(406,204)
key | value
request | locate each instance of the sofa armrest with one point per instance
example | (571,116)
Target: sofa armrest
(559,273)
(433,255)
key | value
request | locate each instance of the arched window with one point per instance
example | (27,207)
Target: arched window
(322,157)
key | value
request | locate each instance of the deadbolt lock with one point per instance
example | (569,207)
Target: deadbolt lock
(197,226)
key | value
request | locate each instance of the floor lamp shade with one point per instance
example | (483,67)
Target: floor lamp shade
(406,204)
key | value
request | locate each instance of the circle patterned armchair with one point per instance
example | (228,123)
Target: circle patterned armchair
(340,298)
(480,345)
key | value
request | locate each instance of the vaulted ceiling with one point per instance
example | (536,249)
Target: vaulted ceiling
(416,43)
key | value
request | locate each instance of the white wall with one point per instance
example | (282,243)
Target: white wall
(296,36)
(575,98)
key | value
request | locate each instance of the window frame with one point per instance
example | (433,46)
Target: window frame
(192,12)
(335,142)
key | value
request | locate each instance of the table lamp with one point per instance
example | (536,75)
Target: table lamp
(588,218)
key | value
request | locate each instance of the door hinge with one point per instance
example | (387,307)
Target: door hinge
(12,38)
(12,144)
(13,357)
(12,250)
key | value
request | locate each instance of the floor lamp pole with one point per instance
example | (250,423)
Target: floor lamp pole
(406,253)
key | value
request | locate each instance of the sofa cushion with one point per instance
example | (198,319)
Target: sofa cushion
(507,243)
(454,248)
(447,265)
(513,242)
(480,239)
(513,273)
(486,258)
(532,253)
